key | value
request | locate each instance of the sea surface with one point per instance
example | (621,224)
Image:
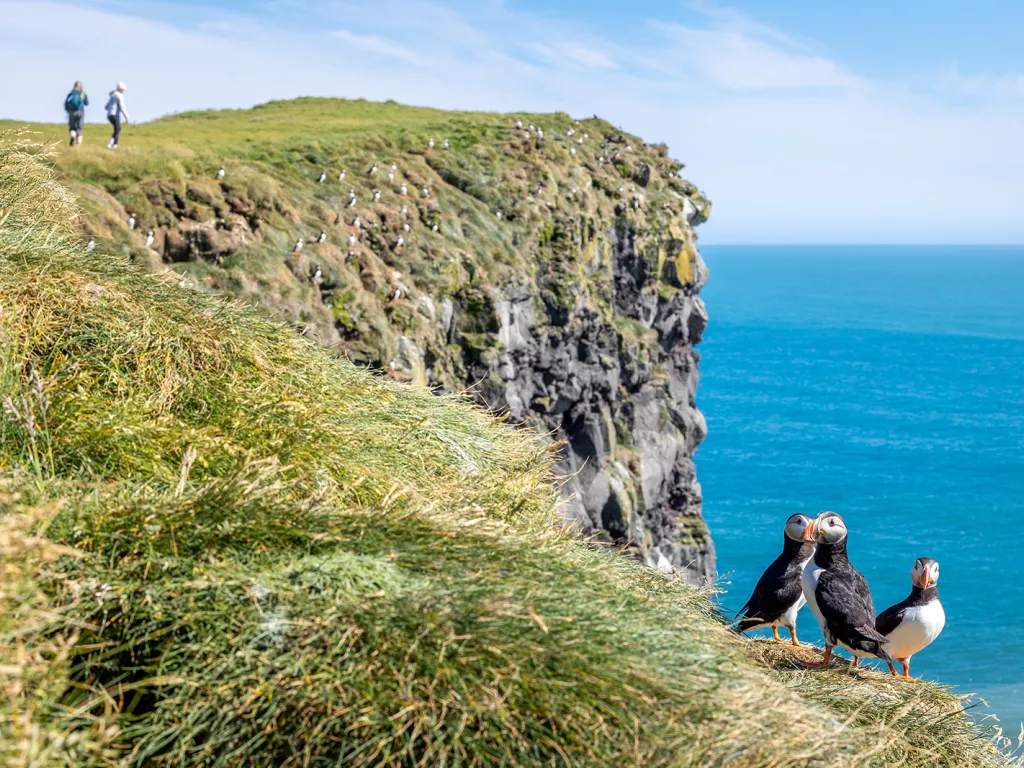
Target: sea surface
(885,383)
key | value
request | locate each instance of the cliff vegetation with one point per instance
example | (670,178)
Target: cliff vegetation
(547,266)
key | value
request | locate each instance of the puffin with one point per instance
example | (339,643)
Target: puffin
(572,150)
(131,221)
(149,238)
(376,196)
(323,236)
(913,623)
(446,145)
(318,275)
(404,191)
(220,174)
(91,245)
(373,169)
(401,242)
(323,176)
(430,144)
(779,596)
(406,227)
(838,595)
(298,246)
(426,191)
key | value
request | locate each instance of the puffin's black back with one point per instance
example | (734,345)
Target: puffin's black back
(892,616)
(844,600)
(778,588)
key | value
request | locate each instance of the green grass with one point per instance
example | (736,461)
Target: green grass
(222,546)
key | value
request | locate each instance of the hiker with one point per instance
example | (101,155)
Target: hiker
(116,114)
(75,104)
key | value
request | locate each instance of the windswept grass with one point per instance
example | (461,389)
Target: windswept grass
(257,555)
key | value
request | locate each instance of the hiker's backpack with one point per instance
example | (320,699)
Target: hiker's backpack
(73,103)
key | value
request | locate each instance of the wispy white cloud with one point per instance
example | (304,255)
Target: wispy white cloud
(982,86)
(378,46)
(732,59)
(574,53)
(725,18)
(791,144)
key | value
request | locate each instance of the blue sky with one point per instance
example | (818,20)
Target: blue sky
(803,121)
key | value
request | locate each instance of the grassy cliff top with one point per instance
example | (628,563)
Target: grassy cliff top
(500,200)
(222,546)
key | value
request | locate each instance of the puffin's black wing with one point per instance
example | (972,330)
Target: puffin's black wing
(776,591)
(890,618)
(844,600)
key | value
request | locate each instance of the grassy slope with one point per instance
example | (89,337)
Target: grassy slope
(283,560)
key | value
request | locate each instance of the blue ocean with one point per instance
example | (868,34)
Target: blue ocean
(887,384)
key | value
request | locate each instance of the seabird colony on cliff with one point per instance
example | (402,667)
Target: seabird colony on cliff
(815,570)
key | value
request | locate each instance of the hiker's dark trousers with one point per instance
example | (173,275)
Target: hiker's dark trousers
(115,120)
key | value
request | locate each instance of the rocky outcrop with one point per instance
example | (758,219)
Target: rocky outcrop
(615,378)
(553,275)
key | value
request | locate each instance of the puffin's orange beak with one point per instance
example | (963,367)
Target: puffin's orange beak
(809,532)
(925,580)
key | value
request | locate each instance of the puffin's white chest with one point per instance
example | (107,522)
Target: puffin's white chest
(788,618)
(921,624)
(809,581)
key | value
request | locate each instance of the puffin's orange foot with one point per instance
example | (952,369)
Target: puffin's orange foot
(775,632)
(792,636)
(906,669)
(817,664)
(856,661)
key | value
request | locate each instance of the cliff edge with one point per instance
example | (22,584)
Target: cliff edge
(546,265)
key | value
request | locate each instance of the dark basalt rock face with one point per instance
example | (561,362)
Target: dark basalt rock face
(625,406)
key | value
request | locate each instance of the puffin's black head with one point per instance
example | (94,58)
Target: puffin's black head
(828,528)
(796,525)
(925,572)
